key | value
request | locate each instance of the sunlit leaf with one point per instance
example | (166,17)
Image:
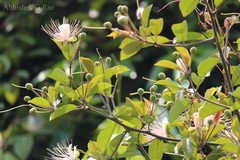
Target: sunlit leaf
(67,91)
(52,94)
(119,69)
(195,36)
(188,148)
(62,111)
(67,50)
(206,66)
(115,34)
(196,80)
(167,64)
(115,144)
(178,108)
(184,55)
(139,106)
(236,93)
(238,43)
(130,49)
(94,150)
(180,31)
(171,85)
(156,26)
(39,101)
(214,130)
(236,127)
(88,64)
(157,39)
(187,6)
(155,149)
(145,15)
(217,2)
(144,31)
(59,75)
(236,75)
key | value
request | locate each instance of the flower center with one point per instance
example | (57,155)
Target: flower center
(64,32)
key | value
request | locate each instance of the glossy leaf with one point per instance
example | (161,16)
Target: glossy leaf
(119,69)
(114,144)
(180,31)
(236,75)
(156,26)
(145,15)
(171,85)
(157,39)
(167,64)
(196,80)
(188,148)
(187,6)
(144,31)
(178,108)
(195,36)
(184,55)
(94,150)
(236,127)
(130,49)
(209,109)
(155,149)
(39,101)
(59,75)
(88,64)
(62,111)
(236,93)
(207,65)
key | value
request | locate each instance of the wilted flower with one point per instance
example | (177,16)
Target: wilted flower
(63,151)
(180,63)
(158,128)
(67,31)
(200,123)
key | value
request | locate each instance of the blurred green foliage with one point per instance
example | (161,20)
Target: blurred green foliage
(27,54)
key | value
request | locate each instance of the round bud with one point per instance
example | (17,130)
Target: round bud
(227,113)
(117,14)
(44,89)
(168,79)
(162,75)
(70,77)
(108,60)
(107,25)
(26,98)
(97,63)
(152,89)
(210,122)
(175,54)
(122,20)
(118,76)
(124,9)
(155,86)
(120,8)
(32,110)
(140,91)
(29,86)
(193,50)
(169,104)
(89,76)
(82,36)
(153,98)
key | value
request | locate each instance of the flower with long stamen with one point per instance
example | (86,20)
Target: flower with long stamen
(64,32)
(63,151)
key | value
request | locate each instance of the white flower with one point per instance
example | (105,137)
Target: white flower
(63,151)
(64,32)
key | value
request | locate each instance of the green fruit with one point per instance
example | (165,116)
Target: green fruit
(122,20)
(117,14)
(162,75)
(32,110)
(44,89)
(193,50)
(26,98)
(153,98)
(152,89)
(107,25)
(210,122)
(108,60)
(120,8)
(140,91)
(82,36)
(124,9)
(175,54)
(97,63)
(89,76)
(29,86)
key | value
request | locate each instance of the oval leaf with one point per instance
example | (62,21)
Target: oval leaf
(187,6)
(41,102)
(145,15)
(59,75)
(88,64)
(167,64)
(206,66)
(156,26)
(180,31)
(130,49)
(62,110)
(155,149)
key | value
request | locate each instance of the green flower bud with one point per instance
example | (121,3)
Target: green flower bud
(155,86)
(152,89)
(210,122)
(97,63)
(107,25)
(175,54)
(70,77)
(168,79)
(124,9)
(162,75)
(44,89)
(122,20)
(26,98)
(153,98)
(89,76)
(82,36)
(120,8)
(193,50)
(169,104)
(140,91)
(117,14)
(32,111)
(108,60)
(29,86)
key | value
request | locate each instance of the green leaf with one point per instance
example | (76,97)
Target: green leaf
(115,143)
(184,55)
(67,50)
(236,127)
(39,101)
(105,136)
(156,26)
(238,43)
(130,49)
(67,91)
(230,147)
(196,80)
(99,88)
(188,148)
(88,64)
(145,15)
(139,106)
(180,31)
(236,93)
(167,64)
(209,109)
(157,39)
(52,94)
(144,31)
(94,150)
(119,69)
(236,75)
(195,36)
(62,110)
(59,75)
(171,85)
(155,149)
(22,146)
(178,108)
(214,130)
(187,6)
(206,66)
(217,2)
